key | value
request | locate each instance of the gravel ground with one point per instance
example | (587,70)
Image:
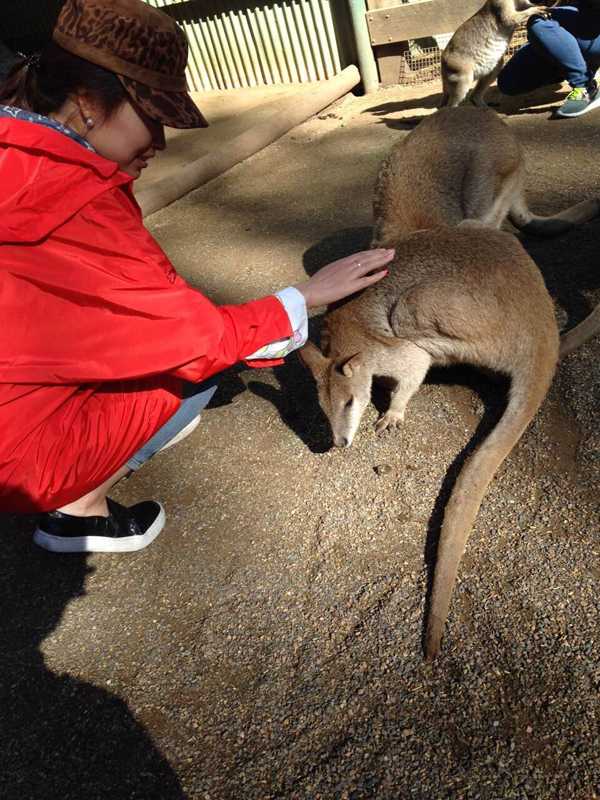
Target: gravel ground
(268,645)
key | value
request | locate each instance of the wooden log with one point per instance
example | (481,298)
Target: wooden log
(250,132)
(416,20)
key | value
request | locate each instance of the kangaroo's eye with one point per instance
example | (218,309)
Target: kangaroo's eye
(349,403)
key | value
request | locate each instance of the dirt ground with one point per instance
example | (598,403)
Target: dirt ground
(268,644)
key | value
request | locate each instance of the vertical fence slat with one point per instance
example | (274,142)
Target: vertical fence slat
(252,50)
(219,27)
(268,46)
(260,46)
(330,34)
(313,39)
(298,55)
(238,37)
(321,35)
(304,41)
(233,47)
(207,57)
(278,47)
(194,65)
(288,50)
(212,38)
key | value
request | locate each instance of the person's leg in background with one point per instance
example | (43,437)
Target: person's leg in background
(565,46)
(527,71)
(95,523)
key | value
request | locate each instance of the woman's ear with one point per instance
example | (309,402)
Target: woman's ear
(89,112)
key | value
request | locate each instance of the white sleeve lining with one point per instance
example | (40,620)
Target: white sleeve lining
(295,307)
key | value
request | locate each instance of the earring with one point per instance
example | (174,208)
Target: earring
(89,122)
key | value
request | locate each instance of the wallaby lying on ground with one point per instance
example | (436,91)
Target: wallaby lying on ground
(476,50)
(460,163)
(466,294)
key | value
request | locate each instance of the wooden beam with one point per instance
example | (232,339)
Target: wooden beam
(416,20)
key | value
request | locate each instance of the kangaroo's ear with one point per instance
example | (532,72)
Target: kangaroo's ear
(351,365)
(313,358)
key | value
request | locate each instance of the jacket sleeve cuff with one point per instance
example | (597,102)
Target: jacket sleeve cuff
(295,307)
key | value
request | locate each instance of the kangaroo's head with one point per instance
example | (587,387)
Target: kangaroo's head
(344,386)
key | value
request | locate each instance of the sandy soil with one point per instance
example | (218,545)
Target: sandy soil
(268,645)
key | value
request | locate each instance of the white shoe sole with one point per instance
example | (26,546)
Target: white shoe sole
(100,544)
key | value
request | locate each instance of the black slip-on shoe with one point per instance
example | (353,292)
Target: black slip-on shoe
(124,530)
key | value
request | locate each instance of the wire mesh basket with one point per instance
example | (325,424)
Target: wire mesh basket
(423,64)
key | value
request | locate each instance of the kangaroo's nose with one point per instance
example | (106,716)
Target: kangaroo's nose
(342,442)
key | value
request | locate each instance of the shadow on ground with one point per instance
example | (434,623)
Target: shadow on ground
(63,737)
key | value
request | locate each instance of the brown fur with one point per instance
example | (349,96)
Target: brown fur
(460,163)
(467,294)
(478,46)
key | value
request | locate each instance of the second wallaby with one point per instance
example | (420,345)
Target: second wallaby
(461,163)
(476,50)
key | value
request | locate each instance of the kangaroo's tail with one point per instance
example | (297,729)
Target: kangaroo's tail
(580,333)
(529,387)
(523,219)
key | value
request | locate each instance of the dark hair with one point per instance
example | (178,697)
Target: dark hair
(42,84)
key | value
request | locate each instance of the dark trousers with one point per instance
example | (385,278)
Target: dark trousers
(564,47)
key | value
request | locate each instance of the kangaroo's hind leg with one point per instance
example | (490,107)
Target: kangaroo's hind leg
(407,364)
(489,194)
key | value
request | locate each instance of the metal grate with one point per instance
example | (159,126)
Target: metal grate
(423,64)
(289,41)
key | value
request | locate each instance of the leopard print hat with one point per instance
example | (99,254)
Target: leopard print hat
(143,46)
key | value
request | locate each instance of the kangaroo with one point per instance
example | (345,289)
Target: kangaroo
(476,50)
(466,294)
(461,163)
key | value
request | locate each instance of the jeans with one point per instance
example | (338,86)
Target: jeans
(196,396)
(564,47)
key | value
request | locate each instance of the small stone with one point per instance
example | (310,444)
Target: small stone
(382,469)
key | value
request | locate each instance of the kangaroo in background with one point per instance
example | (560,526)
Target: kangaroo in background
(476,50)
(460,163)
(458,292)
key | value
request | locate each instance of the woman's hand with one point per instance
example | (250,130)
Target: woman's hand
(344,277)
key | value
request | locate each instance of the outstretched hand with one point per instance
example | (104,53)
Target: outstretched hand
(345,277)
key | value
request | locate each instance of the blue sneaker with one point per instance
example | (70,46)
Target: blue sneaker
(579,101)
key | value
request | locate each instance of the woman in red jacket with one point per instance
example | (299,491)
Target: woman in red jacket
(105,351)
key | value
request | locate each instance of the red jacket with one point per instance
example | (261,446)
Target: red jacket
(97,329)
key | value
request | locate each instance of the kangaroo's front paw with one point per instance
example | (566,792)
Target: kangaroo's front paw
(391,419)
